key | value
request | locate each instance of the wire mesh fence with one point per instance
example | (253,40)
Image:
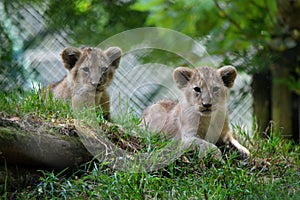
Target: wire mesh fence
(33,46)
(136,84)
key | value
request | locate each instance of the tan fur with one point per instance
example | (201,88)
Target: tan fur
(90,70)
(200,116)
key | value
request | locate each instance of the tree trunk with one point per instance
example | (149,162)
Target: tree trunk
(261,90)
(296,115)
(281,102)
(285,102)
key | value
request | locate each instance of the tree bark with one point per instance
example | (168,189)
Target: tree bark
(39,148)
(261,90)
(282,102)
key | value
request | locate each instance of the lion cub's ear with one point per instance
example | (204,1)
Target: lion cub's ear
(182,76)
(228,75)
(70,56)
(114,55)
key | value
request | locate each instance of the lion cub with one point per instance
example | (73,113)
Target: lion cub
(200,116)
(90,70)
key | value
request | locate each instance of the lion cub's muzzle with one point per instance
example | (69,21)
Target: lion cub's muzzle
(97,83)
(206,108)
(98,86)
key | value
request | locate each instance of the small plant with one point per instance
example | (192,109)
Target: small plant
(49,184)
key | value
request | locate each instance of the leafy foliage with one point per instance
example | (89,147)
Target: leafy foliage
(234,29)
(91,21)
(184,16)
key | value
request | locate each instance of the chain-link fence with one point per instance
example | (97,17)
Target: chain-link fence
(34,48)
(136,85)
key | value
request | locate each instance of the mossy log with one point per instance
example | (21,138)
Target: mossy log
(36,144)
(30,144)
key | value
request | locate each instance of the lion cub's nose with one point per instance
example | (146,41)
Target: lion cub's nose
(206,105)
(94,84)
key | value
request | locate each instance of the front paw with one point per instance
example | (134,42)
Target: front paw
(206,149)
(243,151)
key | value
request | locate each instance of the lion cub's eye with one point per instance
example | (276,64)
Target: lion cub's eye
(216,89)
(86,69)
(197,89)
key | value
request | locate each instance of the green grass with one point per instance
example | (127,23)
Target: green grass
(20,103)
(271,173)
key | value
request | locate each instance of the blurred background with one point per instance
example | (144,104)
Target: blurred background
(260,38)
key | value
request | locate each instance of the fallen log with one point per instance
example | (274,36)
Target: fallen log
(32,143)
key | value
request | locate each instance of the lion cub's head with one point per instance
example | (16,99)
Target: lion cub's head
(91,67)
(204,88)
